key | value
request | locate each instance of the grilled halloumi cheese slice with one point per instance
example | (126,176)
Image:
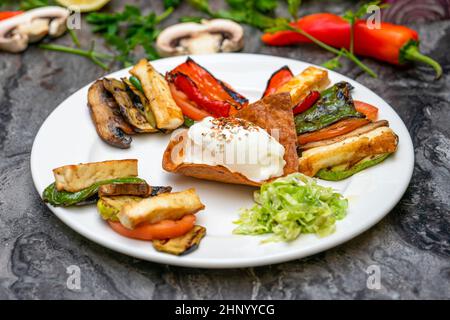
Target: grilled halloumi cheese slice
(166,206)
(74,178)
(301,85)
(167,114)
(351,150)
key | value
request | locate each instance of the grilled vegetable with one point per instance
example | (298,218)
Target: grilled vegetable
(109,207)
(189,108)
(306,103)
(108,121)
(133,114)
(348,151)
(344,171)
(366,109)
(277,79)
(181,245)
(140,101)
(301,85)
(335,104)
(165,229)
(84,196)
(74,178)
(131,189)
(203,91)
(126,189)
(167,114)
(339,128)
(166,206)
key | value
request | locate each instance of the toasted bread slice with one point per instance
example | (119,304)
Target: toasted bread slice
(166,206)
(167,114)
(301,85)
(272,113)
(74,178)
(380,140)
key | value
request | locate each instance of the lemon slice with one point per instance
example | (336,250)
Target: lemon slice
(84,5)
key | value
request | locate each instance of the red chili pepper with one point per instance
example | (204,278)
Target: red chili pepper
(277,79)
(9,14)
(392,43)
(306,103)
(215,107)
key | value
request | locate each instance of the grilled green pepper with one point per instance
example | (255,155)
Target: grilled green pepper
(87,195)
(343,172)
(335,104)
(109,207)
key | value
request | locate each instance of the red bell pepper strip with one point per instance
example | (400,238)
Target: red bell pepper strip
(306,103)
(277,79)
(217,108)
(390,43)
(189,108)
(208,85)
(9,14)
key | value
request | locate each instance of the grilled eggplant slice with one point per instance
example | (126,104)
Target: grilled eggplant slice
(129,111)
(108,121)
(167,114)
(141,102)
(131,189)
(181,245)
(166,206)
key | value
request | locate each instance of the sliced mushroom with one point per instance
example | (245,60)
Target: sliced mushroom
(105,114)
(127,107)
(32,26)
(209,36)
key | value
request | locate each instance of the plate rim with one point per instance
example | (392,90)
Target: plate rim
(230,263)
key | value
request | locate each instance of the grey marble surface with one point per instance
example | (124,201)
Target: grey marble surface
(411,245)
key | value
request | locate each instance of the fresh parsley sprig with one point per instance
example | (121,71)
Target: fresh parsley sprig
(127,30)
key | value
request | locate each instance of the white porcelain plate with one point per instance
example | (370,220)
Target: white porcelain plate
(69,137)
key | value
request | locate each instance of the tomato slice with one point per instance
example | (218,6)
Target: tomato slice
(188,108)
(334,130)
(277,79)
(368,110)
(166,229)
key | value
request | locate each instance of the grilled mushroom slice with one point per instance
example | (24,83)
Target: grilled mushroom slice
(181,245)
(105,114)
(131,189)
(129,110)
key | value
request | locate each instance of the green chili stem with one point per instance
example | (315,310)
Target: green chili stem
(352,36)
(343,52)
(164,15)
(74,37)
(411,52)
(92,55)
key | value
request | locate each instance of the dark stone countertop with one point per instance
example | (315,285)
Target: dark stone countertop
(411,245)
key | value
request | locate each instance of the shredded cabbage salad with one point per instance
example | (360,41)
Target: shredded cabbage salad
(290,206)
